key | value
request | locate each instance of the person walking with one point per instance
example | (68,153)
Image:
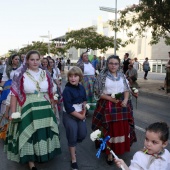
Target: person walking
(35,137)
(68,63)
(113,115)
(126,62)
(146,68)
(167,78)
(74,96)
(88,78)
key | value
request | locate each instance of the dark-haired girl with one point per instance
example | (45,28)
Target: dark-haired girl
(36,137)
(153,156)
(113,115)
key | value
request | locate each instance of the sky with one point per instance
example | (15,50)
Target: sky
(24,21)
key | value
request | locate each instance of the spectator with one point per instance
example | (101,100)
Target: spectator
(167,77)
(126,62)
(22,57)
(136,64)
(131,74)
(68,63)
(95,62)
(101,63)
(2,66)
(146,67)
(62,64)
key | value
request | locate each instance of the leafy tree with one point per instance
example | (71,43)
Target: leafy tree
(148,15)
(12,51)
(88,38)
(36,45)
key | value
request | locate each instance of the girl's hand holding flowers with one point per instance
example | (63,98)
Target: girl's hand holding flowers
(124,103)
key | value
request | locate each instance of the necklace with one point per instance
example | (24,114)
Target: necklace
(37,82)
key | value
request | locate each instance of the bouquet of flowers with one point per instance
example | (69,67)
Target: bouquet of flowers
(97,135)
(1,89)
(16,117)
(87,106)
(117,96)
(135,92)
(97,72)
(56,96)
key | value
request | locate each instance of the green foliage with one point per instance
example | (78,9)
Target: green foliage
(151,15)
(36,45)
(88,38)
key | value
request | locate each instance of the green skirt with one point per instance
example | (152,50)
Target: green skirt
(36,137)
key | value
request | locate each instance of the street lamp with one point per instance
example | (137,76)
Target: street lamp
(113,10)
(47,36)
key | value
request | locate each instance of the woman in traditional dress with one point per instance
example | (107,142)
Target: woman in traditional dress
(113,116)
(9,71)
(88,78)
(56,83)
(36,137)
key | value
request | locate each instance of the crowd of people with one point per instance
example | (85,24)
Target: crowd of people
(30,85)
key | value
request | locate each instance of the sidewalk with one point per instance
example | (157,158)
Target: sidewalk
(151,87)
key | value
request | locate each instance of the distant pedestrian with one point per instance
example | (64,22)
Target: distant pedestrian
(146,67)
(2,66)
(101,63)
(154,155)
(136,64)
(74,96)
(68,63)
(62,64)
(59,64)
(126,62)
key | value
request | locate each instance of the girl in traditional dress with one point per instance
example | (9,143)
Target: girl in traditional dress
(113,116)
(153,156)
(88,78)
(36,137)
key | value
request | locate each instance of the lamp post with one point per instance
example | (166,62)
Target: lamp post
(113,10)
(47,36)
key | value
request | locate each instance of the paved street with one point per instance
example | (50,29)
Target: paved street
(149,110)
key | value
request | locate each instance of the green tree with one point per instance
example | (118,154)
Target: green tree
(151,15)
(36,45)
(88,38)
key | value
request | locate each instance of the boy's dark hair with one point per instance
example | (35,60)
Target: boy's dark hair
(160,127)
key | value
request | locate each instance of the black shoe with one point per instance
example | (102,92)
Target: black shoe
(34,168)
(109,162)
(74,166)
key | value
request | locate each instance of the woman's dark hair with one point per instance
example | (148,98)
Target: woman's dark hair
(52,60)
(160,127)
(112,57)
(32,52)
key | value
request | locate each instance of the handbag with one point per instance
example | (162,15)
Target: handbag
(149,69)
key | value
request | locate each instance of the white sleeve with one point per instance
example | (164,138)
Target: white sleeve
(4,76)
(54,74)
(58,71)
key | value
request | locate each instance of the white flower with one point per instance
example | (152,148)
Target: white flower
(60,78)
(95,135)
(16,115)
(56,96)
(136,91)
(87,106)
(113,95)
(133,88)
(97,72)
(1,88)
